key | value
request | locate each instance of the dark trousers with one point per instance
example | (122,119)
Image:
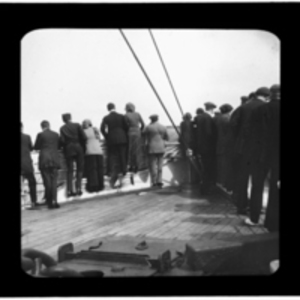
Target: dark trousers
(50,176)
(32,186)
(272,213)
(117,160)
(258,176)
(208,164)
(242,175)
(79,160)
(155,165)
(94,173)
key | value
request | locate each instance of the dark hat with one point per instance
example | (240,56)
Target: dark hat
(67,115)
(275,88)
(153,117)
(209,105)
(225,108)
(263,91)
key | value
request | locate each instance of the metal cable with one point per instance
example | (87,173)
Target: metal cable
(158,97)
(166,71)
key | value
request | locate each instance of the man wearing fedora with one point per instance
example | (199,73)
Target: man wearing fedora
(73,141)
(155,137)
(244,143)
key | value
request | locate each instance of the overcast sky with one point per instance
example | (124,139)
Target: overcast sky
(80,71)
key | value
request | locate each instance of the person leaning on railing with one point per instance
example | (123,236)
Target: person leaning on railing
(93,162)
(73,140)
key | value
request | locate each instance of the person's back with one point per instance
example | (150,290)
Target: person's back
(241,125)
(223,133)
(48,143)
(204,132)
(156,135)
(26,148)
(116,128)
(73,138)
(93,146)
(134,120)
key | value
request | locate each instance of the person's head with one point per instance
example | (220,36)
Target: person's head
(66,117)
(110,106)
(263,94)
(187,117)
(86,124)
(45,125)
(130,107)
(275,92)
(225,108)
(209,106)
(153,118)
(244,99)
(199,111)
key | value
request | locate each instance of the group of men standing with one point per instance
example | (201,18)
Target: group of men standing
(232,147)
(73,140)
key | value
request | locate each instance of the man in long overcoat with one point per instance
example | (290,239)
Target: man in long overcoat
(266,128)
(243,147)
(48,142)
(205,137)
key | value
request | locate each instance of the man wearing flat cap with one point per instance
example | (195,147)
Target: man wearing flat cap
(244,141)
(155,137)
(73,140)
(209,108)
(205,140)
(266,124)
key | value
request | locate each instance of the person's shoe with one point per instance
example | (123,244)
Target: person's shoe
(250,223)
(71,194)
(33,206)
(56,205)
(154,185)
(160,184)
(242,211)
(50,206)
(79,193)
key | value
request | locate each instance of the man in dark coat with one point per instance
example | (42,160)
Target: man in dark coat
(266,128)
(205,147)
(243,147)
(224,141)
(48,143)
(114,129)
(73,140)
(27,170)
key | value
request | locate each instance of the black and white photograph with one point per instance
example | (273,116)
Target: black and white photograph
(149,152)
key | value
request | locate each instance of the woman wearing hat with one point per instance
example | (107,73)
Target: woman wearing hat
(93,158)
(136,125)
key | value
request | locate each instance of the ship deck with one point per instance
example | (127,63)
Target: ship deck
(165,214)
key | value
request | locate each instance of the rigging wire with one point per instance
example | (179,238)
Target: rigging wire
(158,97)
(166,71)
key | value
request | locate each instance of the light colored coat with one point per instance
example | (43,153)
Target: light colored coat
(155,136)
(93,146)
